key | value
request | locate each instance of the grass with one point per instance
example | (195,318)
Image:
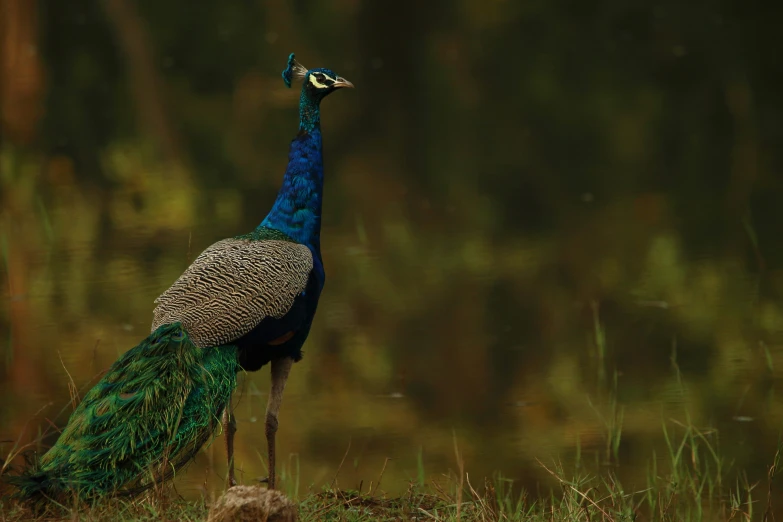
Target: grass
(691,482)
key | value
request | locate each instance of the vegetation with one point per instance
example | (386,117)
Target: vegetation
(690,483)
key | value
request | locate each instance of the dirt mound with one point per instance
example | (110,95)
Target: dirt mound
(253,503)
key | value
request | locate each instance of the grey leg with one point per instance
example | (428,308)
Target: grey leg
(229,429)
(280,370)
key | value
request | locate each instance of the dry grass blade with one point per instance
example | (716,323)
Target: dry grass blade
(380,477)
(16,450)
(72,389)
(430,515)
(461,466)
(773,468)
(337,473)
(564,483)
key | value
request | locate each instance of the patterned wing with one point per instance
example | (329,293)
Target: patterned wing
(232,286)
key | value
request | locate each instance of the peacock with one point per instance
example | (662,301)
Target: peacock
(244,302)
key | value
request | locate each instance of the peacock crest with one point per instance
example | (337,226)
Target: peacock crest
(294,71)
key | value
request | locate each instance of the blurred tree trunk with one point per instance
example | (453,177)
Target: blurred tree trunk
(146,86)
(744,170)
(22,85)
(21,72)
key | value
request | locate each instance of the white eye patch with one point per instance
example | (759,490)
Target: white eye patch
(315,83)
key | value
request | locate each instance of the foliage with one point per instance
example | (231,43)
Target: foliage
(689,484)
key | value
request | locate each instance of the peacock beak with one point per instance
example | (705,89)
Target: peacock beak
(342,82)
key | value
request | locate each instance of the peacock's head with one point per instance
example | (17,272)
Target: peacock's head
(318,83)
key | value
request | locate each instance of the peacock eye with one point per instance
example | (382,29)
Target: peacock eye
(320,80)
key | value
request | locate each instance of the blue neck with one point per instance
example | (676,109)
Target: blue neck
(297,209)
(309,113)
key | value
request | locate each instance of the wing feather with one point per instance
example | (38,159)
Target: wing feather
(232,286)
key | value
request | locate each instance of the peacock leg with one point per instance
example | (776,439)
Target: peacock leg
(280,370)
(229,428)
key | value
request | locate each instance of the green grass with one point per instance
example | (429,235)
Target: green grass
(691,482)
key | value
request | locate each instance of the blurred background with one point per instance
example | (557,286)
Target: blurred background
(551,228)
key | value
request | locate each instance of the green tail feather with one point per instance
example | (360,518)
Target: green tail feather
(147,417)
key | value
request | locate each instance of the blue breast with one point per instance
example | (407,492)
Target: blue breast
(297,209)
(254,350)
(297,214)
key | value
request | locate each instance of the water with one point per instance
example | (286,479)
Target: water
(543,227)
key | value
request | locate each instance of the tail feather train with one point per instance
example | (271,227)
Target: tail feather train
(157,405)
